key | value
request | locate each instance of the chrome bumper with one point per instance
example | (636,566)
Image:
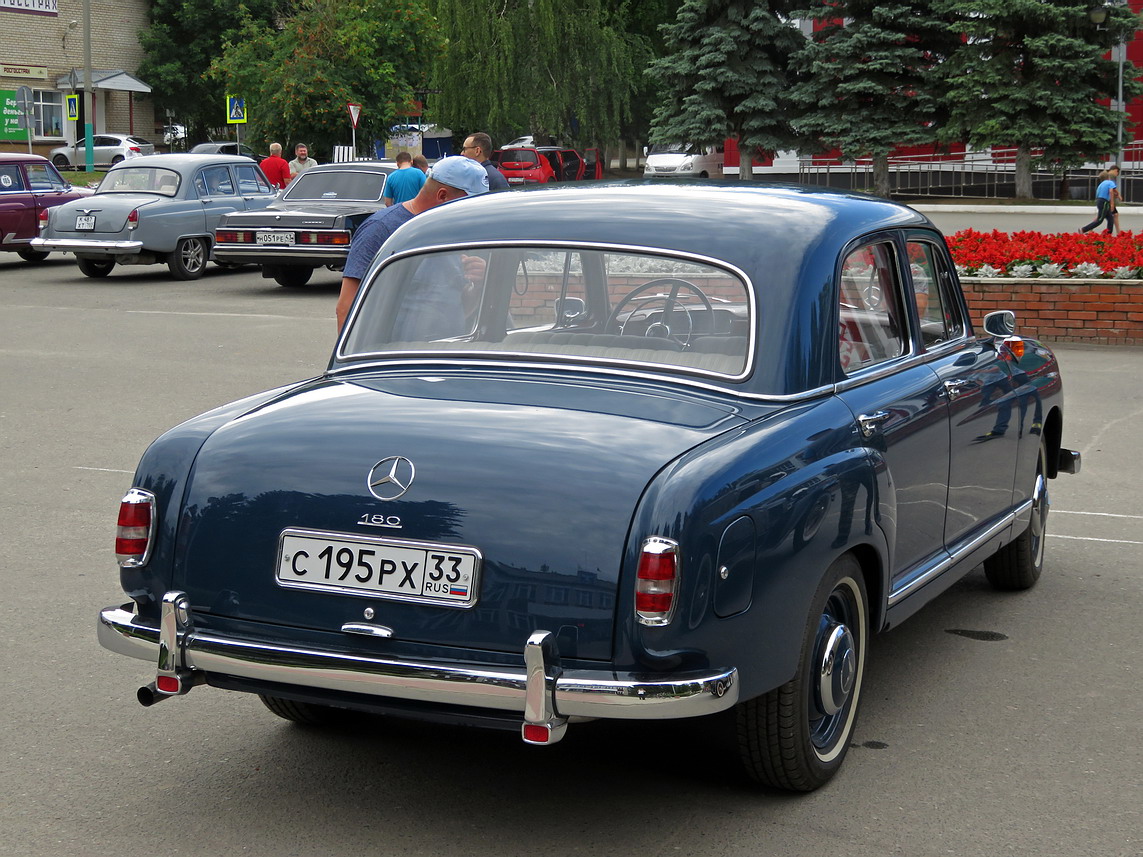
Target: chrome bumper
(87,245)
(280,255)
(544,693)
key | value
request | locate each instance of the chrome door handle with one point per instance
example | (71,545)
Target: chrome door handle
(870,422)
(956,389)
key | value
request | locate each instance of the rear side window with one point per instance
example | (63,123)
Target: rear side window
(870,327)
(214,181)
(251,180)
(11,179)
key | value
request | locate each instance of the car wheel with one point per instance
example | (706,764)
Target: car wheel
(32,255)
(188,260)
(95,267)
(796,736)
(1018,564)
(61,163)
(118,159)
(301,712)
(293,276)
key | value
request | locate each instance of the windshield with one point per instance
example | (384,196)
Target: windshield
(141,180)
(673,149)
(358,186)
(557,304)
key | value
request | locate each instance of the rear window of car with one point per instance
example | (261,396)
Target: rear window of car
(352,185)
(139,141)
(518,156)
(141,180)
(573,305)
(11,178)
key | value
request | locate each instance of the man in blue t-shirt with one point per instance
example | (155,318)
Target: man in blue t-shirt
(450,178)
(1106,196)
(403,183)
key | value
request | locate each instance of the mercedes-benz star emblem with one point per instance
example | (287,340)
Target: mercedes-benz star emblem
(391,477)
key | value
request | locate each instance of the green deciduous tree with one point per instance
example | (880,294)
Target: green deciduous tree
(1031,75)
(511,66)
(868,79)
(725,75)
(181,40)
(299,78)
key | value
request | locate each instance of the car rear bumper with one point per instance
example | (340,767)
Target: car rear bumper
(314,257)
(87,246)
(545,694)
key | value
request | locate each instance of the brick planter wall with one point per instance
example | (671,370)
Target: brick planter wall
(1103,312)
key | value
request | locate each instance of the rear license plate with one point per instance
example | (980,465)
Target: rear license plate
(396,569)
(515,180)
(84,221)
(275,237)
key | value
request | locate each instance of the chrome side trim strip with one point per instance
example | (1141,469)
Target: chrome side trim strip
(577,693)
(939,567)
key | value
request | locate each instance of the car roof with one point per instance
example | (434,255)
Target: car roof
(786,239)
(21,158)
(180,160)
(352,165)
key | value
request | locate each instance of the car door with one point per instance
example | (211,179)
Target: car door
(17,206)
(900,414)
(217,190)
(48,189)
(105,149)
(988,411)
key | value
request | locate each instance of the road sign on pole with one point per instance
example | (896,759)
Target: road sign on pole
(354,115)
(235,110)
(25,104)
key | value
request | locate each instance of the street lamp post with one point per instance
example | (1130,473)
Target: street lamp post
(1098,16)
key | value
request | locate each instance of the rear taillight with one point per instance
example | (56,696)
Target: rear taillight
(341,238)
(135,150)
(233,236)
(43,219)
(135,532)
(133,218)
(657,581)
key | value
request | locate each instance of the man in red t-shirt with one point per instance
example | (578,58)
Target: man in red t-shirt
(276,168)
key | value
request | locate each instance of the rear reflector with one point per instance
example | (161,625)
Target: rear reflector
(534,734)
(135,530)
(168,684)
(657,581)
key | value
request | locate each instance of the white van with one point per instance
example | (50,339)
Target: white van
(683,160)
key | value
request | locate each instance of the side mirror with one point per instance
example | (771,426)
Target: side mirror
(645,150)
(569,309)
(1001,323)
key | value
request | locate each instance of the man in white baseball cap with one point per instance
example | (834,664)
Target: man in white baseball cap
(449,178)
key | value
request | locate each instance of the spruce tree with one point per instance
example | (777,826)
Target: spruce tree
(1031,75)
(725,75)
(867,79)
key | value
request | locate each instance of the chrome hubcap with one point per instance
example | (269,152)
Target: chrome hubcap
(837,670)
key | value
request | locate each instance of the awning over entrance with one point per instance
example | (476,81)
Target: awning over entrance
(102,78)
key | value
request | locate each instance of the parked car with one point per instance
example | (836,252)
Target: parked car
(576,457)
(107,149)
(683,160)
(29,186)
(159,209)
(567,164)
(226,148)
(310,225)
(524,165)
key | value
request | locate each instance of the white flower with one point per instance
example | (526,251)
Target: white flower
(961,271)
(1123,272)
(1023,271)
(988,271)
(1051,269)
(1087,269)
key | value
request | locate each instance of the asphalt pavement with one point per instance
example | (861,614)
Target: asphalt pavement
(992,724)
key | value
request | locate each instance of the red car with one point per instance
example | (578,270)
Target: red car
(567,164)
(524,165)
(29,186)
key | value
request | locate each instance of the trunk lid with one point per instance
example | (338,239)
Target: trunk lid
(541,479)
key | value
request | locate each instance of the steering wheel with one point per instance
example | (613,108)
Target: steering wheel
(662,329)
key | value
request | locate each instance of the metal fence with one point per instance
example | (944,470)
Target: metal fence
(975,175)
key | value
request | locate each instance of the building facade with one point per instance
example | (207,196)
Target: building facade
(43,49)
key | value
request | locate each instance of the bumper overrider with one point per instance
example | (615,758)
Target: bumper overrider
(546,695)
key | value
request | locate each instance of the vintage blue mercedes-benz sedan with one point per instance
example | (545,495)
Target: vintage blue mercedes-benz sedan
(618,451)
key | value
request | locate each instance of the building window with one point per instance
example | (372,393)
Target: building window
(49,113)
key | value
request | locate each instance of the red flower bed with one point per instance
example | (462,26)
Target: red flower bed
(1003,250)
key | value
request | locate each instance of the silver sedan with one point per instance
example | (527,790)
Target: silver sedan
(157,209)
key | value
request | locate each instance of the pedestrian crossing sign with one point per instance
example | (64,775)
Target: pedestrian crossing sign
(72,107)
(235,110)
